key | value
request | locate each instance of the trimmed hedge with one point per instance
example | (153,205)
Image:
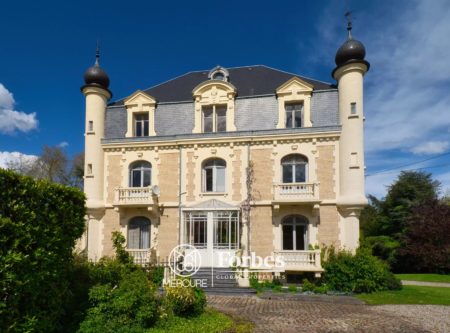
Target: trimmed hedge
(39,225)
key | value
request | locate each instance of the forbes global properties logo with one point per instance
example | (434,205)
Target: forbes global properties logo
(184,260)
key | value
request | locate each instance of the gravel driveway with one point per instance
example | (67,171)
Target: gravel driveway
(332,314)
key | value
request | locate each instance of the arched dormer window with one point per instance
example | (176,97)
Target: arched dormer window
(218,73)
(213,175)
(294,169)
(138,233)
(295,231)
(140,174)
(214,107)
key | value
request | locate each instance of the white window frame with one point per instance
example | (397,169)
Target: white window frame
(296,221)
(142,121)
(214,168)
(293,112)
(149,225)
(293,165)
(214,117)
(143,167)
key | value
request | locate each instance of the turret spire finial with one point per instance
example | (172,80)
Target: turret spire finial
(348,16)
(97,54)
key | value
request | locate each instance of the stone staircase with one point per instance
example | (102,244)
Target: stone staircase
(220,281)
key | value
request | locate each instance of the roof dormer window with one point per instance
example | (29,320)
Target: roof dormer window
(218,76)
(218,73)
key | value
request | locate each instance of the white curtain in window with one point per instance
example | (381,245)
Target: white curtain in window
(220,179)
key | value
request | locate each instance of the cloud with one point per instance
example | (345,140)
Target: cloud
(408,85)
(12,120)
(63,144)
(377,184)
(431,147)
(406,89)
(6,98)
(9,158)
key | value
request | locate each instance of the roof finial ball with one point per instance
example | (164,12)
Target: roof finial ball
(352,50)
(95,75)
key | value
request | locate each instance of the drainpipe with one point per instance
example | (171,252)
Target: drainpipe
(248,217)
(180,168)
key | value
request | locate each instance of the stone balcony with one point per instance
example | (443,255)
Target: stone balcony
(302,261)
(140,256)
(296,193)
(133,197)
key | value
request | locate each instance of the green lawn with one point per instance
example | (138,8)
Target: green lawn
(211,321)
(409,295)
(424,277)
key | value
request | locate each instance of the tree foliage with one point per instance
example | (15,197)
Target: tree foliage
(39,224)
(385,223)
(53,165)
(427,238)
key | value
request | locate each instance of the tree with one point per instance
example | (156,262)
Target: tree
(384,222)
(411,188)
(426,241)
(54,165)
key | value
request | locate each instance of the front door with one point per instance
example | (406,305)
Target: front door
(215,235)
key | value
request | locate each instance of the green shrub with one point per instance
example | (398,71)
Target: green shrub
(307,286)
(184,299)
(321,289)
(359,273)
(39,225)
(254,282)
(156,275)
(131,306)
(383,247)
(292,289)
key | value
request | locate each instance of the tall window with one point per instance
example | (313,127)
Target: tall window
(295,232)
(140,174)
(214,118)
(294,115)
(294,168)
(213,174)
(141,124)
(226,233)
(195,228)
(139,233)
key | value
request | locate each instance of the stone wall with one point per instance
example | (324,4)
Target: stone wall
(263,173)
(325,164)
(169,176)
(113,176)
(261,234)
(167,232)
(111,223)
(328,233)
(237,179)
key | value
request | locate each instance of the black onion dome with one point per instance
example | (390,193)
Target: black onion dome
(352,49)
(95,75)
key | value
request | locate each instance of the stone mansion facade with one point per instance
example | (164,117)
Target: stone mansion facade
(230,160)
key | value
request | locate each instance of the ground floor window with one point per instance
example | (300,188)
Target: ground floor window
(225,230)
(196,229)
(294,229)
(222,226)
(139,233)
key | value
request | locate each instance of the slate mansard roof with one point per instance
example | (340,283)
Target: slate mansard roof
(249,81)
(256,105)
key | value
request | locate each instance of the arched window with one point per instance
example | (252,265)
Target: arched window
(295,168)
(139,233)
(294,230)
(213,175)
(140,174)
